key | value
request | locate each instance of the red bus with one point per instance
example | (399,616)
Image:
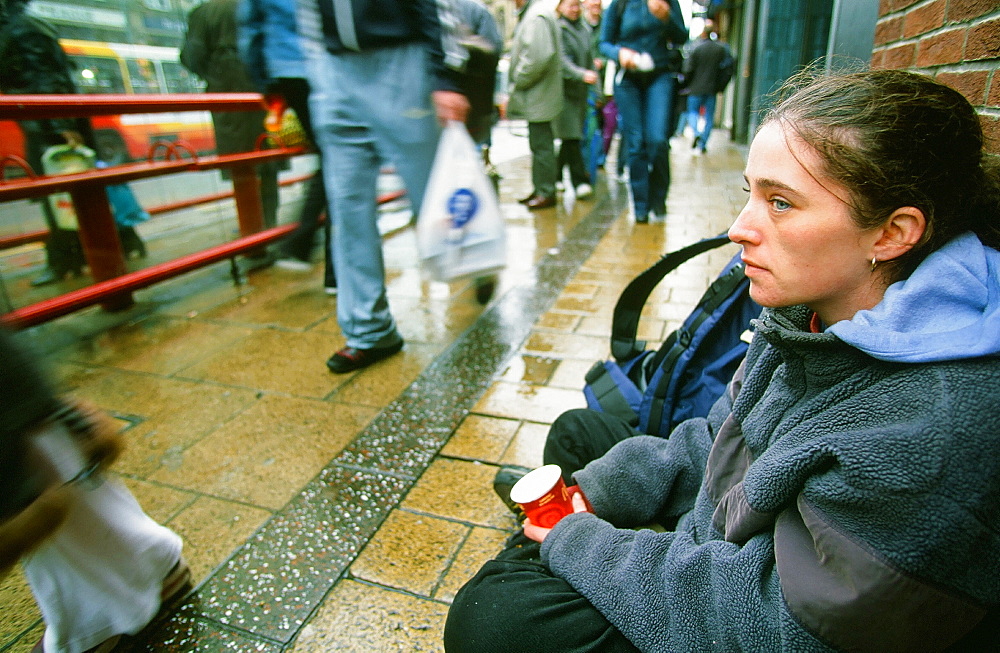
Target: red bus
(122,68)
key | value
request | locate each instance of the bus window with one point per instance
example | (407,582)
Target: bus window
(179,79)
(98,75)
(142,75)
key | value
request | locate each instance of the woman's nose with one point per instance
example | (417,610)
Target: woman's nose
(740,231)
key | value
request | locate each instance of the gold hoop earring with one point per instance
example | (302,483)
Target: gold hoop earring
(874,263)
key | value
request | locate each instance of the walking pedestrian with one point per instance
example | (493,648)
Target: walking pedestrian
(380,90)
(645,37)
(537,92)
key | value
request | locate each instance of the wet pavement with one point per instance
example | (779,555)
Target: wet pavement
(329,512)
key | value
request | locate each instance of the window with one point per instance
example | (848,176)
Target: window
(98,75)
(180,80)
(142,74)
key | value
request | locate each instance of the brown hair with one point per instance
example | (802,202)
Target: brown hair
(894,138)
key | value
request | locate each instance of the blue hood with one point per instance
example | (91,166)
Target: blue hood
(948,309)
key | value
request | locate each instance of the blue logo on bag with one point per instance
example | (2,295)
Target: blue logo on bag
(462,207)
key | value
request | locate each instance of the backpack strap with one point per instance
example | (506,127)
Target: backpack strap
(720,290)
(625,322)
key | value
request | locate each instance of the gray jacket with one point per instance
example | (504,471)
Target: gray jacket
(536,65)
(577,58)
(852,493)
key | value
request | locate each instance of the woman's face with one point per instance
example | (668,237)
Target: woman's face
(800,245)
(569,8)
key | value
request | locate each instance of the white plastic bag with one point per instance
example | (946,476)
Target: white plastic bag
(64,160)
(460,231)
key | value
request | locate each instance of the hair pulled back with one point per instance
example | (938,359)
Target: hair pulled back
(894,138)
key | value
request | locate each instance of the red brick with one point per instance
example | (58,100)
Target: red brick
(901,56)
(984,41)
(888,30)
(993,98)
(923,19)
(963,10)
(884,7)
(943,48)
(896,5)
(971,84)
(878,60)
(991,132)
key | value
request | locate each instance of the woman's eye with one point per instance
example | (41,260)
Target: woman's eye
(746,189)
(780,204)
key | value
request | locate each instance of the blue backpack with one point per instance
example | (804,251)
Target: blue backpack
(654,390)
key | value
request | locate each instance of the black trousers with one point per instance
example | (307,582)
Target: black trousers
(299,243)
(514,603)
(543,158)
(571,156)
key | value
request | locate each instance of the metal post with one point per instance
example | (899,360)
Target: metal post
(246,191)
(99,237)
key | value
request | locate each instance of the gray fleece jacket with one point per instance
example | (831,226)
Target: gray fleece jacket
(852,493)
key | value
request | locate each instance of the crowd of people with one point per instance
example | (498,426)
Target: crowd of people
(849,469)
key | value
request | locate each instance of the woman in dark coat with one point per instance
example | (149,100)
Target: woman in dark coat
(578,74)
(210,51)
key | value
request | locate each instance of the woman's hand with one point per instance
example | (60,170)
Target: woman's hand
(538,534)
(627,58)
(589,77)
(98,435)
(659,8)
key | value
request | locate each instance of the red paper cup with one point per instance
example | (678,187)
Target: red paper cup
(543,496)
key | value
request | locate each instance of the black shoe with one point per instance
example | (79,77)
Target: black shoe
(694,145)
(47,277)
(540,202)
(484,288)
(504,480)
(349,359)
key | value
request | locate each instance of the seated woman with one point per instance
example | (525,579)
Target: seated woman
(844,494)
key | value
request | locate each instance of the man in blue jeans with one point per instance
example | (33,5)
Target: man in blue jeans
(704,72)
(644,37)
(380,90)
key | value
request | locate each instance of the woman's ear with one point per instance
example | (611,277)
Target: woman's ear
(901,232)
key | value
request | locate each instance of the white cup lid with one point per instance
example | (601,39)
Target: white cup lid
(535,484)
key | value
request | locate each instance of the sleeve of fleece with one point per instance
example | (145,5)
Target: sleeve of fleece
(646,478)
(666,592)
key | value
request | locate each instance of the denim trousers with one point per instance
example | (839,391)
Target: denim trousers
(369,108)
(645,104)
(694,106)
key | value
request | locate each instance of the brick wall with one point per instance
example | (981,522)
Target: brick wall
(956,41)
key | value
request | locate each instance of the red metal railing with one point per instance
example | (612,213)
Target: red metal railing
(16,240)
(98,234)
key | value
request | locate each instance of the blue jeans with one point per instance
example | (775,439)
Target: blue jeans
(645,104)
(694,105)
(368,108)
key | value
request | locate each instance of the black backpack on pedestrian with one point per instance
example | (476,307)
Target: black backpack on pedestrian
(654,390)
(727,67)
